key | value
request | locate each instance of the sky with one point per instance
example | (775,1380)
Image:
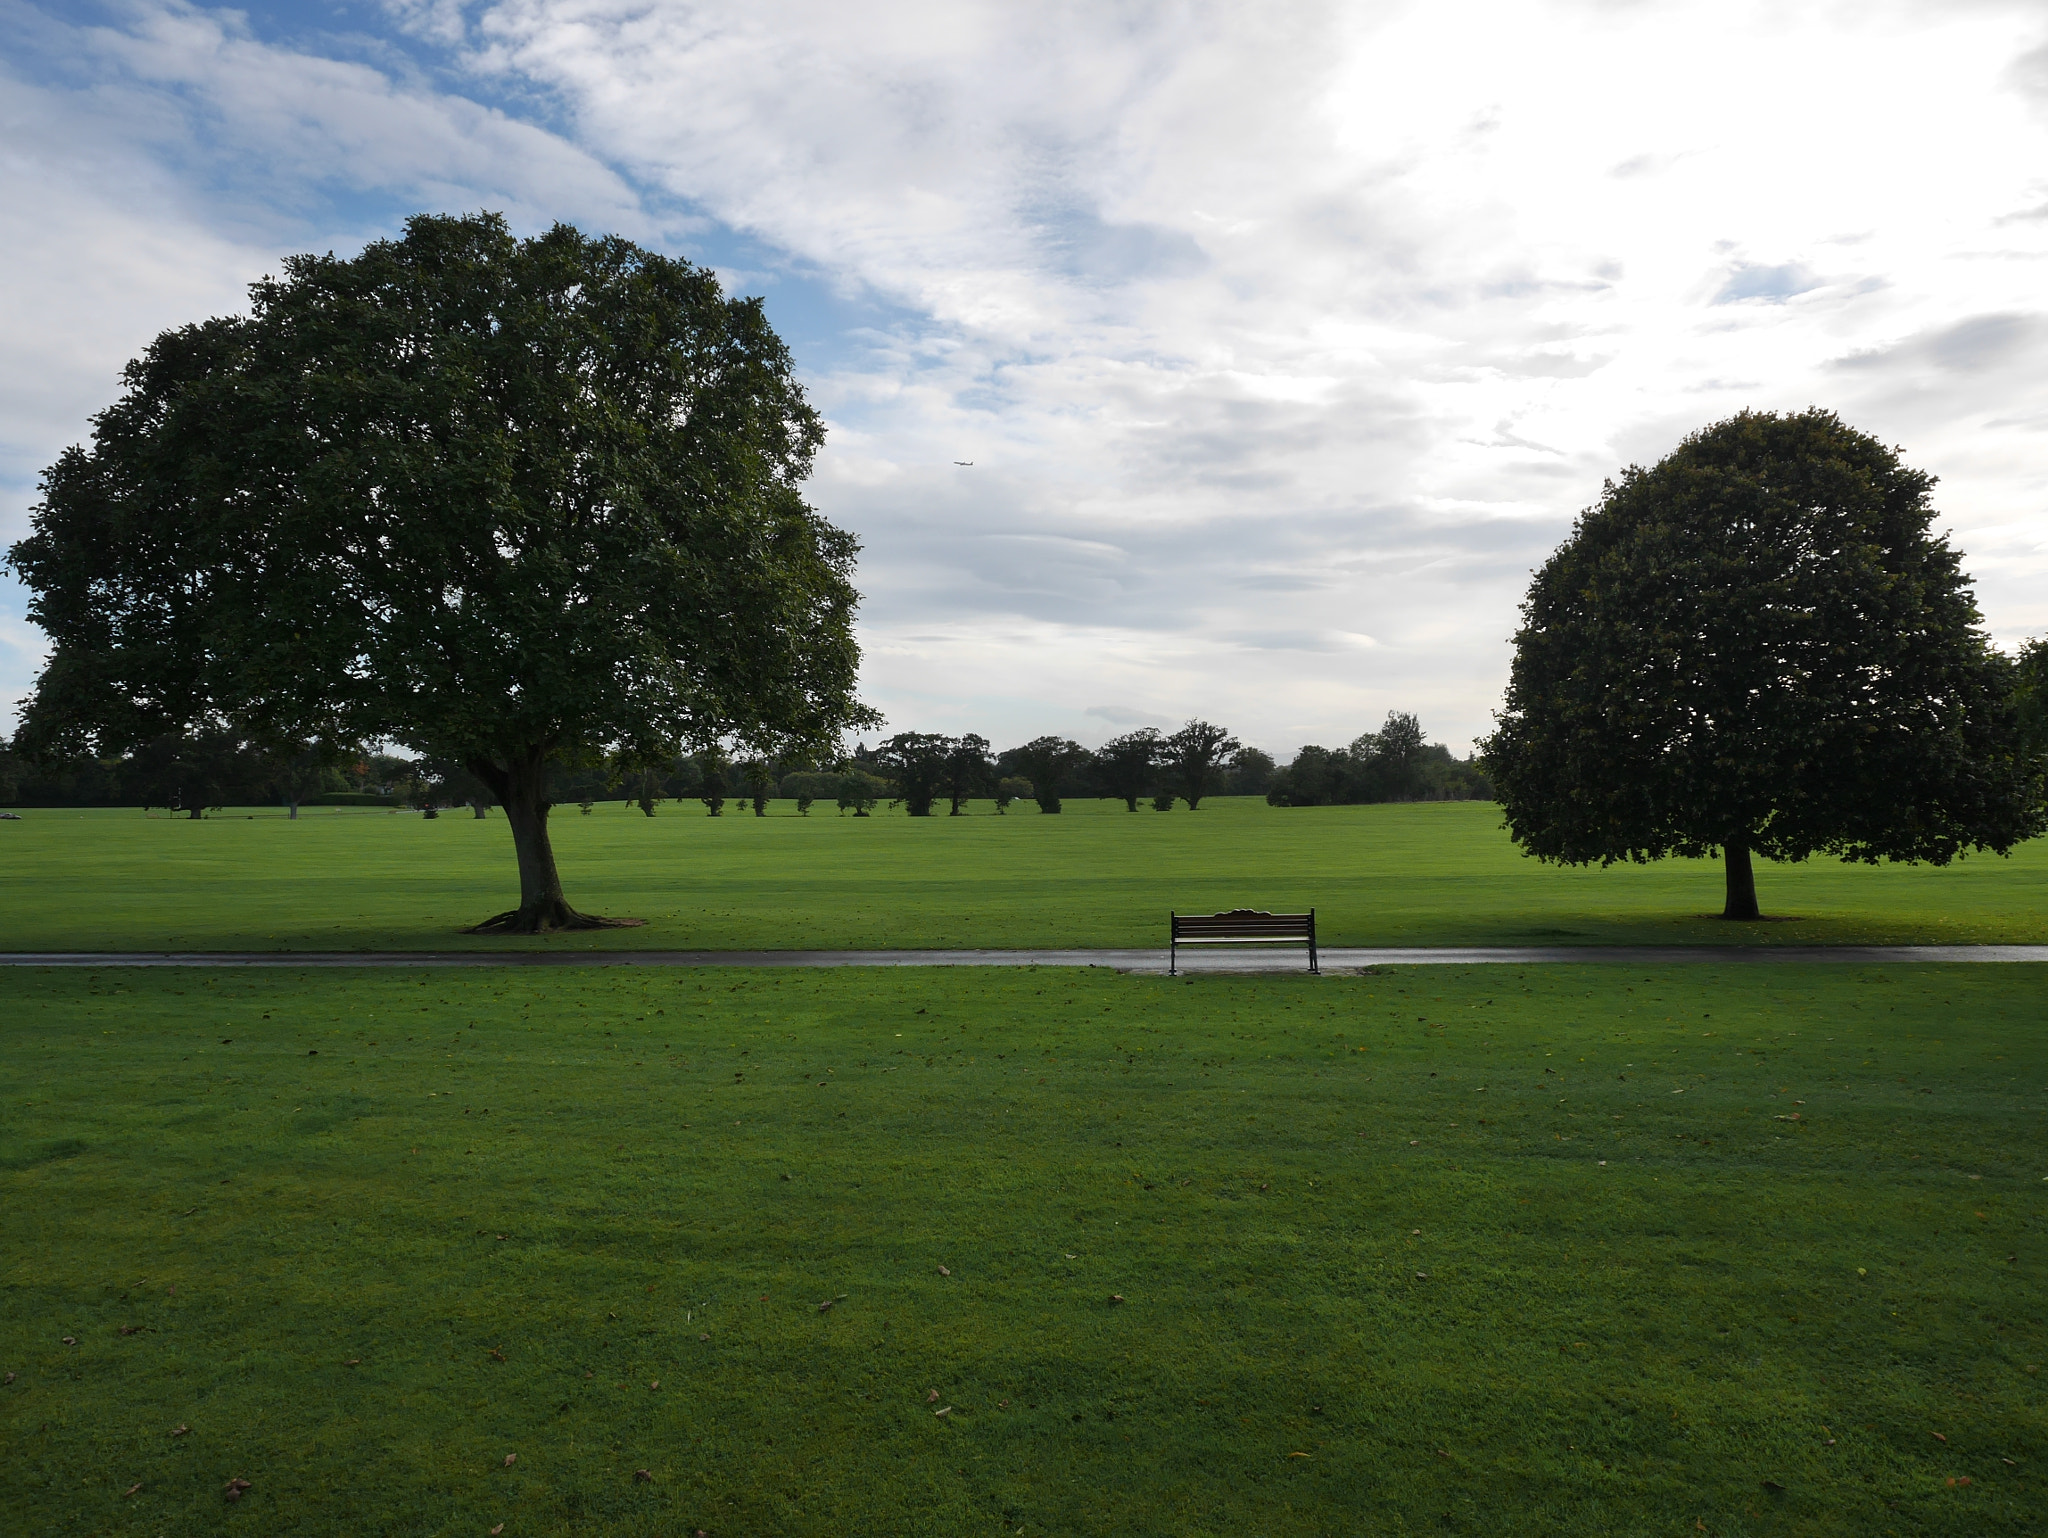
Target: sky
(1284,340)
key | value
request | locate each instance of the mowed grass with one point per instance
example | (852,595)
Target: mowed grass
(1094,876)
(1546,1250)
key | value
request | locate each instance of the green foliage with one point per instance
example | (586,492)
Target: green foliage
(1010,788)
(2030,700)
(917,763)
(1126,767)
(1760,644)
(499,1205)
(1251,773)
(1392,764)
(969,769)
(1195,757)
(503,501)
(860,792)
(1049,763)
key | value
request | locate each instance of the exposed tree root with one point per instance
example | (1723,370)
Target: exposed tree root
(547,919)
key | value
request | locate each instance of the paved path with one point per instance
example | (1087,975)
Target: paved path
(1334,958)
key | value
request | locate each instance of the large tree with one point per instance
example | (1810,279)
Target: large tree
(1196,756)
(1127,766)
(1048,763)
(1759,646)
(916,761)
(509,502)
(968,770)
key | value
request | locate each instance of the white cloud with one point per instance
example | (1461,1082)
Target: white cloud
(1283,340)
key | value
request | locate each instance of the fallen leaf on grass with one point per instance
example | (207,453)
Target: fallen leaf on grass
(705,1336)
(1422,1276)
(655,1384)
(510,1459)
(497,1353)
(235,1488)
(947,1411)
(1116,1297)
(932,1397)
(1774,1487)
(178,1431)
(354,1361)
(1300,1455)
(70,1340)
(1960,1479)
(10,1377)
(1938,1436)
(826,1306)
(131,1329)
(944,1272)
(131,1492)
(497,1530)
(642,1477)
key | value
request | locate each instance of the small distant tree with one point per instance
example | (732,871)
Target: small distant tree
(806,787)
(918,763)
(860,792)
(1163,802)
(1759,646)
(298,770)
(712,771)
(643,785)
(760,778)
(1048,763)
(1127,766)
(968,770)
(1011,787)
(1196,756)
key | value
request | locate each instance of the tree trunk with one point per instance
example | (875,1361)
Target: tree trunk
(195,813)
(293,815)
(478,808)
(521,789)
(1741,902)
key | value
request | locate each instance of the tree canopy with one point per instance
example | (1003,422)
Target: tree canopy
(502,501)
(1759,645)
(1196,756)
(1048,763)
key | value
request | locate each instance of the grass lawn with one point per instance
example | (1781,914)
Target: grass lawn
(1094,876)
(1546,1250)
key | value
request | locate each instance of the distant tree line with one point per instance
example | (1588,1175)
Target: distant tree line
(922,773)
(1394,763)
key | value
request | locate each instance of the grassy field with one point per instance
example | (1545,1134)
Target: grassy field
(1094,876)
(1550,1250)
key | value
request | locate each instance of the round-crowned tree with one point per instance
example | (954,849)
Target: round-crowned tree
(1758,646)
(506,502)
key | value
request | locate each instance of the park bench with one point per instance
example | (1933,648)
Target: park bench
(1242,927)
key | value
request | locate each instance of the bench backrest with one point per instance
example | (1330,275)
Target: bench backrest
(1244,923)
